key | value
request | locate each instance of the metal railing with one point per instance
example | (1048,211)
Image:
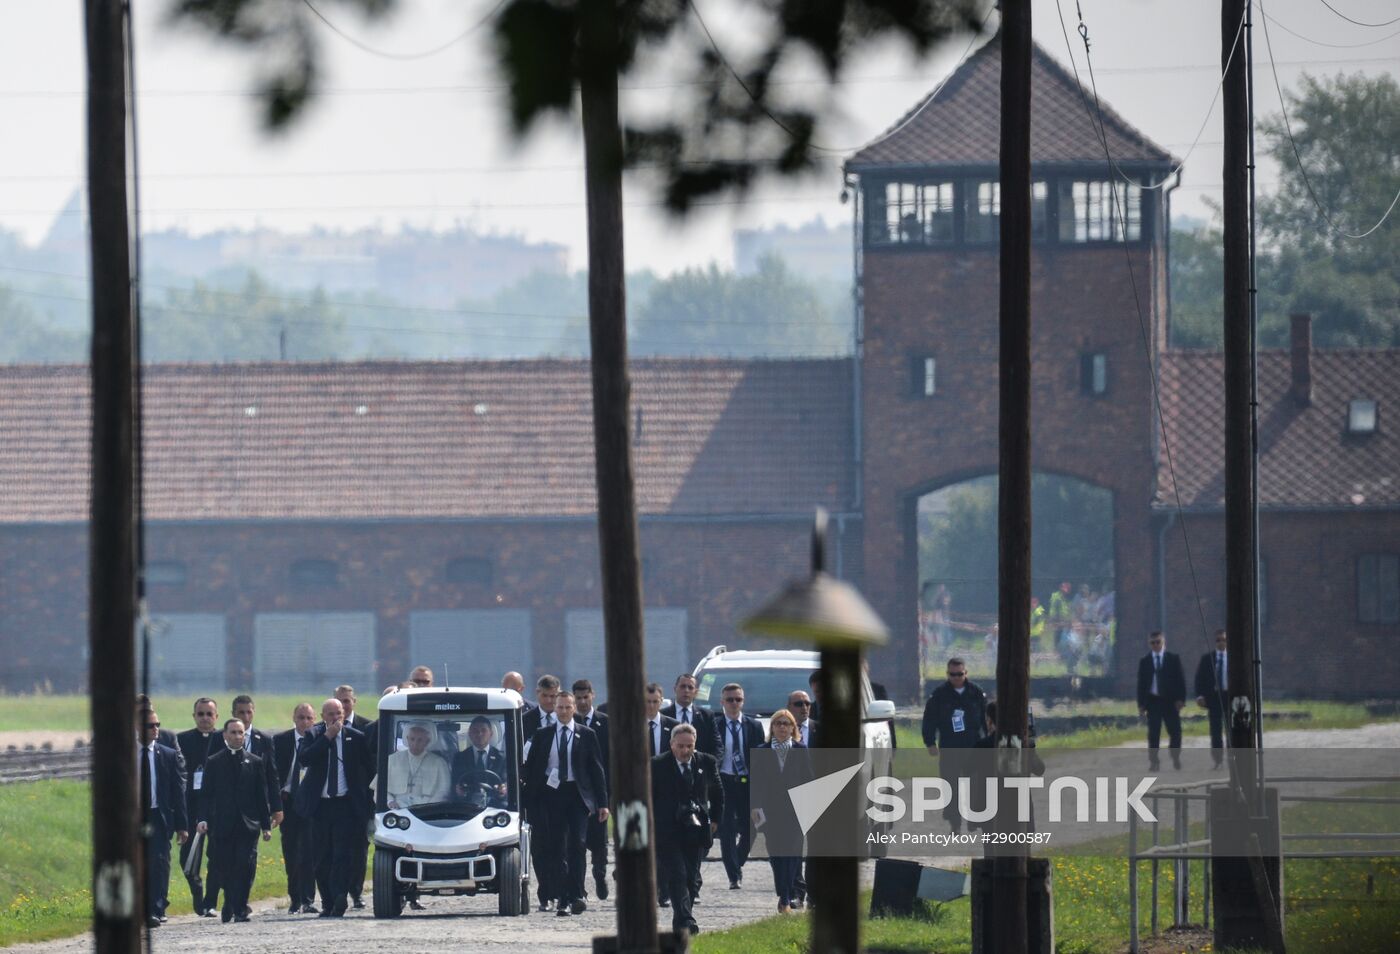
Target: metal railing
(1183,850)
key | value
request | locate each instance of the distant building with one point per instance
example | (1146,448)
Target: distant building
(813,250)
(317,523)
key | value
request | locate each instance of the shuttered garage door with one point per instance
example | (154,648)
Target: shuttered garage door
(667,653)
(314,652)
(477,647)
(188,651)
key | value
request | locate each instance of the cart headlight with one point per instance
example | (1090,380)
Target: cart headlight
(396,821)
(502,819)
(489,821)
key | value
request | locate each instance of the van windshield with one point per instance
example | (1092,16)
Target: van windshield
(457,763)
(765,690)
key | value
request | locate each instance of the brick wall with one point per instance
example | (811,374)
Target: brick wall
(944,304)
(1312,643)
(718,570)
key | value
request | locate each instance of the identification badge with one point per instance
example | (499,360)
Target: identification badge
(198,779)
(959,724)
(301,774)
(553,780)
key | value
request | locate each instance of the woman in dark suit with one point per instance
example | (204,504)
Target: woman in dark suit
(775,815)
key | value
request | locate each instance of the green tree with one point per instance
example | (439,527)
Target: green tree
(30,338)
(1345,130)
(770,313)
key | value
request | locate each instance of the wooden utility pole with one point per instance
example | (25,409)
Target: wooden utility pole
(1014,483)
(116,887)
(617,510)
(1239,432)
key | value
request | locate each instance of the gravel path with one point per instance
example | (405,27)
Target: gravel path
(469,924)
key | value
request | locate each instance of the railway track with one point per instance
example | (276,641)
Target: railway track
(38,766)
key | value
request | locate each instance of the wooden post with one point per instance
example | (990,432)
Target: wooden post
(116,887)
(1014,483)
(617,511)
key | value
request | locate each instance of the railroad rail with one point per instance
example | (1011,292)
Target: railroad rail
(40,765)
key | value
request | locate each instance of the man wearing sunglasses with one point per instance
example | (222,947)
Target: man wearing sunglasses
(163,810)
(953,720)
(736,735)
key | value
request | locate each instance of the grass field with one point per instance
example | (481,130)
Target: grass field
(1331,904)
(70,712)
(46,861)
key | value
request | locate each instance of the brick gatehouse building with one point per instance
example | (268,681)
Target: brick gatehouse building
(317,523)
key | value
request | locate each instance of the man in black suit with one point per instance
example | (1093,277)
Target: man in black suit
(658,726)
(735,736)
(296,830)
(259,743)
(232,812)
(687,799)
(685,711)
(586,715)
(334,794)
(162,788)
(345,695)
(164,736)
(480,769)
(542,715)
(1212,686)
(564,784)
(800,705)
(1161,693)
(196,746)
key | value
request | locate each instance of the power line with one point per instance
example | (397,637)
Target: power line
(1358,22)
(391,55)
(1335,46)
(1097,121)
(1288,130)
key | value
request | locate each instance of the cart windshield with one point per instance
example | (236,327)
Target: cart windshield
(453,765)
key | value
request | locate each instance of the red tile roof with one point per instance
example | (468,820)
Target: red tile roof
(958,124)
(436,440)
(1306,458)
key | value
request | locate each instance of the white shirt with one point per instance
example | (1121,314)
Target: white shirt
(684,715)
(1156,666)
(802,730)
(339,744)
(296,744)
(1221,665)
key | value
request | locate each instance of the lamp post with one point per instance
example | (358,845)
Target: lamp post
(831,613)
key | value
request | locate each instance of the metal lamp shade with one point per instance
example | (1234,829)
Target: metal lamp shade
(821,610)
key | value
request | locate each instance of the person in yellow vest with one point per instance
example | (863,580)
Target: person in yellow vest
(1037,623)
(1061,613)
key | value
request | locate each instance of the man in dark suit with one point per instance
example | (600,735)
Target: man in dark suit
(162,788)
(658,726)
(345,695)
(480,767)
(259,743)
(735,736)
(196,746)
(800,705)
(586,714)
(564,784)
(334,794)
(685,711)
(1212,686)
(296,830)
(687,799)
(1161,693)
(164,736)
(538,716)
(232,812)
(546,691)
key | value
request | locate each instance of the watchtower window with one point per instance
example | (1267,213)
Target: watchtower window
(923,376)
(1100,211)
(916,213)
(982,211)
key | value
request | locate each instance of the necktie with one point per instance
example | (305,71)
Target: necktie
(685,718)
(481,761)
(146,755)
(332,776)
(1156,663)
(685,775)
(738,762)
(564,755)
(651,736)
(1220,670)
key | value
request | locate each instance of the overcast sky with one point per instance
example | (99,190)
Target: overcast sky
(423,142)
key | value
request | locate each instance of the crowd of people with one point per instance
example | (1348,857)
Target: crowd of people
(220,787)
